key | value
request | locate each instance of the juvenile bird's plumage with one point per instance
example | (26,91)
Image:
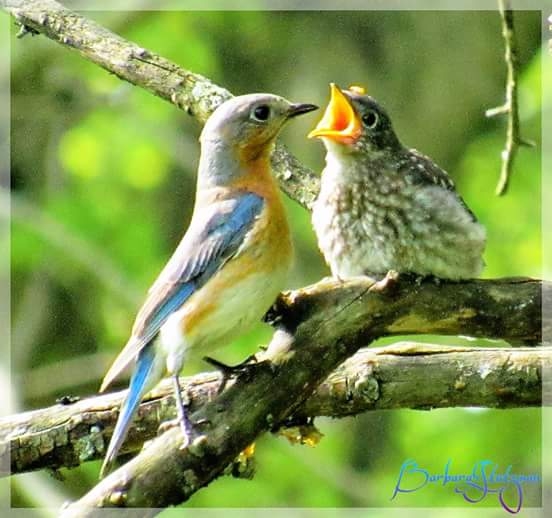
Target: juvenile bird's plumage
(229,266)
(385,207)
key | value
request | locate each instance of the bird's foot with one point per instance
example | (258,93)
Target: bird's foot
(167,425)
(172,423)
(229,371)
(274,316)
(182,420)
(387,284)
(185,429)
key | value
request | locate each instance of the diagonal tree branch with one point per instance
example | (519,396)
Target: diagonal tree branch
(186,90)
(404,375)
(318,328)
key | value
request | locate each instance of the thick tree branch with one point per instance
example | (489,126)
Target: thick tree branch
(510,106)
(404,375)
(186,90)
(319,327)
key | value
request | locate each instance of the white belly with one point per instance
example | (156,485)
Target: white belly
(233,313)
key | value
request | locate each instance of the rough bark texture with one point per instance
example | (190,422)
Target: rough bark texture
(404,375)
(319,327)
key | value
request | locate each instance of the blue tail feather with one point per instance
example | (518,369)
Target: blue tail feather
(140,383)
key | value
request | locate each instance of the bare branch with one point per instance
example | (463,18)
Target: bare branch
(404,375)
(191,92)
(510,107)
(319,327)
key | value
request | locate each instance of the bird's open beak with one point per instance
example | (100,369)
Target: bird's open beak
(340,121)
(299,109)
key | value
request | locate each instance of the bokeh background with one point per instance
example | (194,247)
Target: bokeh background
(102,186)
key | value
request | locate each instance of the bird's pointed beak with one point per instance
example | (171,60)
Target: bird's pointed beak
(340,121)
(299,109)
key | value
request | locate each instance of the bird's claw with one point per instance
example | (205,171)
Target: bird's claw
(244,369)
(182,407)
(185,427)
(167,425)
(274,315)
(229,371)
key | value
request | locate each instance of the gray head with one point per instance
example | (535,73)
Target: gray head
(250,123)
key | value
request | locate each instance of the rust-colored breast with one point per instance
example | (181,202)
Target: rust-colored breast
(254,276)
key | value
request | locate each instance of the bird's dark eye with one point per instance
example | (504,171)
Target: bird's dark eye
(261,113)
(370,119)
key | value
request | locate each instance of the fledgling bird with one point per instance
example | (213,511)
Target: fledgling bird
(385,207)
(231,263)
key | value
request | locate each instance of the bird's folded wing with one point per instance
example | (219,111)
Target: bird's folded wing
(214,236)
(421,170)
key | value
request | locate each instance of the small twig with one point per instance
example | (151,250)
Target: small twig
(510,107)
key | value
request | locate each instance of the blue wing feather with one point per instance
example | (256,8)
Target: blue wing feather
(214,236)
(193,264)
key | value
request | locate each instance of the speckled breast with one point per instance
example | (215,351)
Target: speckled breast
(358,228)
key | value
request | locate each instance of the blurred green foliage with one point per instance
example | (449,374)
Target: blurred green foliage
(103,185)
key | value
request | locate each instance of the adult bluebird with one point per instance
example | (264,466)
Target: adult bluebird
(231,263)
(385,207)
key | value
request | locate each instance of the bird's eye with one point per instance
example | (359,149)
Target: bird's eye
(261,113)
(370,119)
